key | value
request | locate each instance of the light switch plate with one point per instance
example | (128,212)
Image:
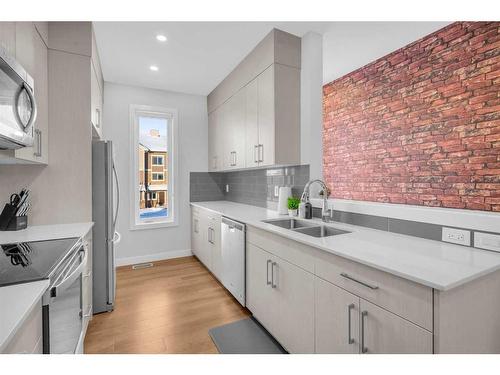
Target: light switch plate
(227,188)
(276,190)
(487,241)
(458,236)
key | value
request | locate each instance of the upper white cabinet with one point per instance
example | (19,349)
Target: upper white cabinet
(96,103)
(254,114)
(24,41)
(96,91)
(233,129)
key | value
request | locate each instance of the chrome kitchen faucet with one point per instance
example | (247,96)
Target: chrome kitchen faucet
(326,213)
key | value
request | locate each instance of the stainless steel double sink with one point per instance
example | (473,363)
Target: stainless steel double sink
(306,227)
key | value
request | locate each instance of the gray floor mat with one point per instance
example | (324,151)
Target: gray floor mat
(245,336)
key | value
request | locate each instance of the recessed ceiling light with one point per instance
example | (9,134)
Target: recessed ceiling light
(154,68)
(161,38)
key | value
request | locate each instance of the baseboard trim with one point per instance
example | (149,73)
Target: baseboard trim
(153,257)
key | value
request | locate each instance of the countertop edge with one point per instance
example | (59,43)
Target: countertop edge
(427,283)
(44,284)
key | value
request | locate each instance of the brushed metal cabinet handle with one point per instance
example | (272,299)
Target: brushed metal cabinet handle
(256,153)
(364,283)
(364,349)
(273,284)
(268,282)
(261,153)
(350,340)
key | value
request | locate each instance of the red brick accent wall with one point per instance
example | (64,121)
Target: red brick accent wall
(420,125)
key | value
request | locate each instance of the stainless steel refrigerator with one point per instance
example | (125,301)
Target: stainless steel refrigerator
(104,236)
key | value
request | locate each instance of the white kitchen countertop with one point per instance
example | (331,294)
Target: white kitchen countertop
(46,232)
(435,264)
(16,303)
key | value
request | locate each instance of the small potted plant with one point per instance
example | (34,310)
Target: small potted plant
(293,206)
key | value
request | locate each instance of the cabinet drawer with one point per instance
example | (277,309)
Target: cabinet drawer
(289,250)
(407,299)
(27,340)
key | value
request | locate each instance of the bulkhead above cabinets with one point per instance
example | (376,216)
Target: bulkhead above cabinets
(254,113)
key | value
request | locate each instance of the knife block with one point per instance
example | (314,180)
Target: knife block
(18,223)
(7,215)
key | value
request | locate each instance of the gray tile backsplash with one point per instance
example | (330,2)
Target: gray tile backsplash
(206,186)
(254,187)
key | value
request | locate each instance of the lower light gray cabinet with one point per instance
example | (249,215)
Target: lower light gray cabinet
(336,319)
(281,297)
(290,290)
(382,332)
(259,292)
(345,323)
(206,239)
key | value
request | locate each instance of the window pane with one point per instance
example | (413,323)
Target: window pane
(153,169)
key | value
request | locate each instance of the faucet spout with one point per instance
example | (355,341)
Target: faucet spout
(326,213)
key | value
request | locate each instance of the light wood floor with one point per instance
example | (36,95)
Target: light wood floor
(165,309)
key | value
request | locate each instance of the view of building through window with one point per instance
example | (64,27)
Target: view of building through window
(153,168)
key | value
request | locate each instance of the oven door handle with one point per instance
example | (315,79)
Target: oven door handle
(69,279)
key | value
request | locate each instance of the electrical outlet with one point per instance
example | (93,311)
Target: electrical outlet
(276,190)
(487,241)
(227,188)
(458,236)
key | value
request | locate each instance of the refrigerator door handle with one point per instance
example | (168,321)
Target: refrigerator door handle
(115,174)
(116,237)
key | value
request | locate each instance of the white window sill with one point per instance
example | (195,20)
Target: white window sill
(154,225)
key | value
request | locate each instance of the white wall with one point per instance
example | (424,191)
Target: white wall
(311,107)
(152,244)
(348,46)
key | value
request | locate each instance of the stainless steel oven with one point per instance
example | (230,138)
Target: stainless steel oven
(17,104)
(62,304)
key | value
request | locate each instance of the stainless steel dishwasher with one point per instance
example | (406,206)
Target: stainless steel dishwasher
(233,258)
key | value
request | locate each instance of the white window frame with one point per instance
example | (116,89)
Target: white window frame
(157,179)
(158,156)
(137,111)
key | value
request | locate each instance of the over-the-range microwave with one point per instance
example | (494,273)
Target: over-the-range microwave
(17,104)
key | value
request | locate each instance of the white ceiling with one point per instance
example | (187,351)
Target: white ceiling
(198,55)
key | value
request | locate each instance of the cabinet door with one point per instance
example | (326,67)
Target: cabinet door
(212,141)
(383,332)
(260,299)
(252,124)
(204,254)
(25,45)
(8,37)
(336,319)
(234,127)
(266,116)
(195,233)
(95,102)
(215,245)
(294,293)
(41,75)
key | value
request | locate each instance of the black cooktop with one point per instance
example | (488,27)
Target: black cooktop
(31,261)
